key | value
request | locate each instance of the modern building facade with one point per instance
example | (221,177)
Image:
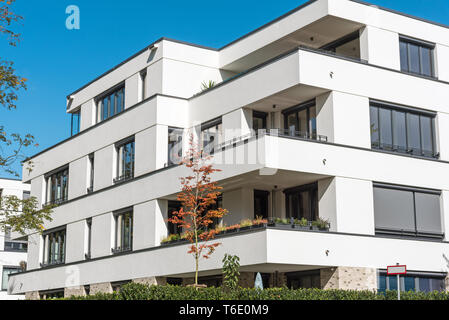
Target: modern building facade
(336,111)
(13,254)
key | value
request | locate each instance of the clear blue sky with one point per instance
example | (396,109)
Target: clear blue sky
(58,61)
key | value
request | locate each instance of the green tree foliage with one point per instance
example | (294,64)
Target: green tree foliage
(20,215)
(231,266)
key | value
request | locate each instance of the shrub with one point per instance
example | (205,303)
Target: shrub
(135,291)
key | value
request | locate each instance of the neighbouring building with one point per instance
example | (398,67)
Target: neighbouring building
(13,253)
(338,111)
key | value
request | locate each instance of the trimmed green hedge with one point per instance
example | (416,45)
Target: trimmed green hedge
(134,291)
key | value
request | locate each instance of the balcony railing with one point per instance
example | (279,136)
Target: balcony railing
(57,202)
(121,249)
(297,134)
(124,177)
(403,150)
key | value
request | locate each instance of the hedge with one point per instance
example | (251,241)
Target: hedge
(135,291)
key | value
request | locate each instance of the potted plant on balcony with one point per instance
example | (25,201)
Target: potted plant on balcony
(246,224)
(302,224)
(321,225)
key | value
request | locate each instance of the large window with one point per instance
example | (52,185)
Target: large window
(261,203)
(413,281)
(125,160)
(305,279)
(348,46)
(211,135)
(174,145)
(403,130)
(172,207)
(300,121)
(302,202)
(54,247)
(417,56)
(76,120)
(259,121)
(6,271)
(123,231)
(58,186)
(407,211)
(111,103)
(10,245)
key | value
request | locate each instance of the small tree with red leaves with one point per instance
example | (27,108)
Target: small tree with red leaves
(198,196)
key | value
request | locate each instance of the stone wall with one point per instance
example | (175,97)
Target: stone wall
(74,291)
(349,278)
(104,287)
(150,281)
(32,295)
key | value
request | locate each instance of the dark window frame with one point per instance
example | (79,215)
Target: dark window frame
(120,248)
(265,195)
(75,131)
(409,233)
(260,115)
(407,111)
(91,157)
(122,175)
(51,193)
(312,188)
(107,94)
(416,274)
(420,44)
(173,228)
(208,125)
(48,254)
(295,110)
(4,287)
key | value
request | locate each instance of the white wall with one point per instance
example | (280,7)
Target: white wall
(75,245)
(380,47)
(78,175)
(103,233)
(149,224)
(240,205)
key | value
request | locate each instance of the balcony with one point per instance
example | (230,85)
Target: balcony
(56,202)
(123,178)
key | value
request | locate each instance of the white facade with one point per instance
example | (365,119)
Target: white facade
(12,253)
(339,60)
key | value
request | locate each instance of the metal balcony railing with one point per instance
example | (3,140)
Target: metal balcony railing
(404,150)
(124,177)
(57,202)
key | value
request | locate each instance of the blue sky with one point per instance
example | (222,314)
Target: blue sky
(57,61)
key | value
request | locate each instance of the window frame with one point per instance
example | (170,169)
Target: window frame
(47,250)
(49,186)
(117,214)
(122,176)
(91,159)
(219,135)
(311,188)
(416,234)
(408,111)
(74,114)
(4,267)
(416,274)
(420,44)
(99,102)
(295,110)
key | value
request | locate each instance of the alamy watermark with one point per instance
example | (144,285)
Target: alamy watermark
(73,21)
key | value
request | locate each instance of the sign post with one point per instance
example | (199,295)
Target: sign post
(397,270)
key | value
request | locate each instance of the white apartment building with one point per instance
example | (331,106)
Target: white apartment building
(353,103)
(12,252)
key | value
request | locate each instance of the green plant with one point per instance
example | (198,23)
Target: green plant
(231,266)
(321,223)
(206,85)
(134,291)
(281,221)
(303,222)
(246,223)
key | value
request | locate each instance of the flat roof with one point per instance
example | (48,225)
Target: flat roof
(250,33)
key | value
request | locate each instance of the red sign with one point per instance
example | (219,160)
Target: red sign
(395,270)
